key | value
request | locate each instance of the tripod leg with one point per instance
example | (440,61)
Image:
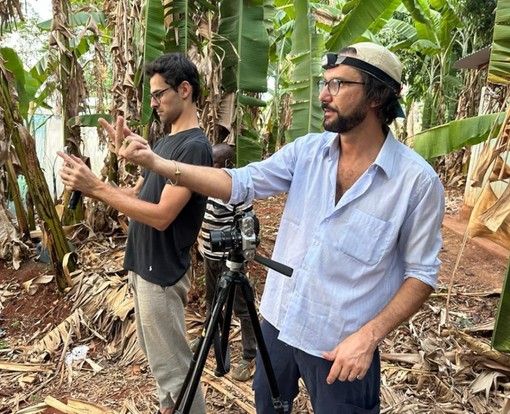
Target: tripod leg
(192,380)
(221,347)
(279,405)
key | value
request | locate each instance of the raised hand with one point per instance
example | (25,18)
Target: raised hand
(76,174)
(128,145)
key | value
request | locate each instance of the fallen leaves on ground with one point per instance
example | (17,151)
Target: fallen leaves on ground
(438,362)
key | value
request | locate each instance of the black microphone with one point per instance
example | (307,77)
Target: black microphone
(75,195)
(74,199)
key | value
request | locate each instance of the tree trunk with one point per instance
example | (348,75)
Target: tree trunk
(18,203)
(38,188)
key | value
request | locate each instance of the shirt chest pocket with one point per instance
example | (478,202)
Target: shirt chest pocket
(365,238)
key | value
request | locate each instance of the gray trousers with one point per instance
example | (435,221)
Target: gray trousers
(161,332)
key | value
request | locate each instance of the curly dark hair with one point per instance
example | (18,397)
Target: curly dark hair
(379,92)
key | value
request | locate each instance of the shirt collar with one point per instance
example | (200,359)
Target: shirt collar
(331,144)
(386,157)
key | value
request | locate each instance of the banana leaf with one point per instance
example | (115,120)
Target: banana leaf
(88,120)
(501,333)
(26,85)
(153,48)
(248,148)
(499,65)
(362,14)
(182,31)
(454,135)
(243,44)
(307,50)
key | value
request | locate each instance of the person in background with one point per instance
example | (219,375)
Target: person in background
(164,223)
(361,228)
(219,216)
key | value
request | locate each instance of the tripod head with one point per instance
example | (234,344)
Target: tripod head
(241,241)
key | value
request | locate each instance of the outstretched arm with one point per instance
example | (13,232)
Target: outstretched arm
(352,357)
(76,175)
(212,182)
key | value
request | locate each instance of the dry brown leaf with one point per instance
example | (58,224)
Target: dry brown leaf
(495,215)
(478,229)
(31,286)
(485,381)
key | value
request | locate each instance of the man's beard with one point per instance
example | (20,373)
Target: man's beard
(344,123)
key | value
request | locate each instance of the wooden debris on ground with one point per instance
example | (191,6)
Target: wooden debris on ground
(427,367)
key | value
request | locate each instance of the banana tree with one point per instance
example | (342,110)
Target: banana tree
(497,215)
(24,146)
(12,124)
(487,219)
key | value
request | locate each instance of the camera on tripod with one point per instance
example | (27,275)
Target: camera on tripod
(241,238)
(240,241)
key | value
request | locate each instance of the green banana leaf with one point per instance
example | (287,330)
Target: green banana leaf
(182,32)
(454,135)
(26,85)
(501,333)
(88,120)
(153,48)
(244,44)
(306,54)
(499,65)
(377,25)
(362,14)
(248,148)
(417,10)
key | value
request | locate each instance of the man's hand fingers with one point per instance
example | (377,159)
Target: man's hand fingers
(335,368)
(112,132)
(119,132)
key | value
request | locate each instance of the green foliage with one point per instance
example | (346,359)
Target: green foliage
(306,54)
(243,42)
(499,66)
(285,40)
(26,85)
(478,17)
(242,45)
(360,17)
(182,33)
(501,333)
(454,135)
(153,48)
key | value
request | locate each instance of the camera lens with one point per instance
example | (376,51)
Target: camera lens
(221,241)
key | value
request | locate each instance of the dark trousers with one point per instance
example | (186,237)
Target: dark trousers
(213,271)
(290,364)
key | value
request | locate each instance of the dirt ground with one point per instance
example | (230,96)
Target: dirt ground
(130,389)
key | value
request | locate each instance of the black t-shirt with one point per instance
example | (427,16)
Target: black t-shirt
(162,257)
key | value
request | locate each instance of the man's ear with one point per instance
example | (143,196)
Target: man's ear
(185,89)
(375,104)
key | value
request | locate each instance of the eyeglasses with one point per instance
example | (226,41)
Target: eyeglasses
(157,95)
(335,84)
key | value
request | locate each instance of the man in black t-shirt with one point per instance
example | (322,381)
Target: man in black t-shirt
(164,223)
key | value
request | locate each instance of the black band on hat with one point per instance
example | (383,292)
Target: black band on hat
(331,60)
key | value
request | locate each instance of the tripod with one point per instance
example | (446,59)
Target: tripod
(224,298)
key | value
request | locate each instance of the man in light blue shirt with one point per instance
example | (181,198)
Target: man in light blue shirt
(361,229)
